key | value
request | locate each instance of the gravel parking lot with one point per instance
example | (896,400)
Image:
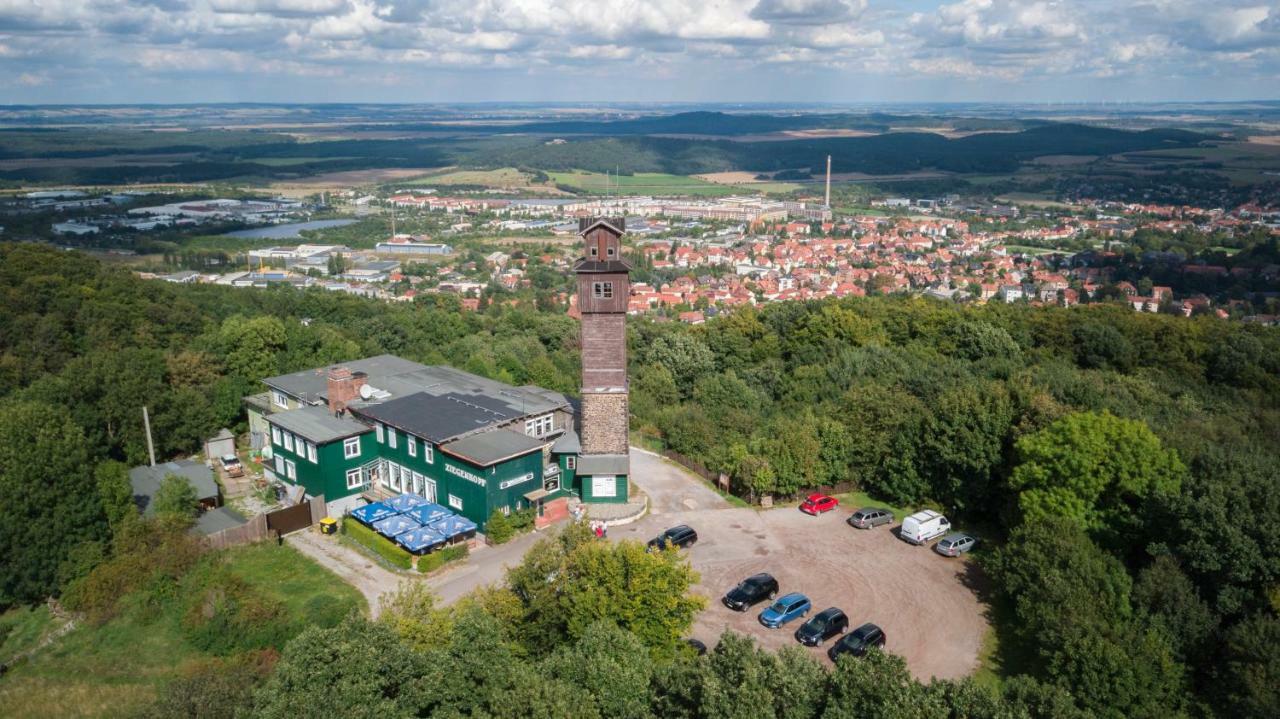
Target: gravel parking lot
(927,604)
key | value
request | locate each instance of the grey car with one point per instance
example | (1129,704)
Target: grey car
(869,517)
(955,544)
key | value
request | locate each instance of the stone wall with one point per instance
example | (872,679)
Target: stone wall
(604,423)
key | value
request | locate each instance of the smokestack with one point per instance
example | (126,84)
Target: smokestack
(827,203)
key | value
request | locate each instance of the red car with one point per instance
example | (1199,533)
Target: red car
(818,503)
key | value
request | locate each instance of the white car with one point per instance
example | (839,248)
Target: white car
(923,526)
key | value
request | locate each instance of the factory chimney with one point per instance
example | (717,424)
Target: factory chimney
(828,201)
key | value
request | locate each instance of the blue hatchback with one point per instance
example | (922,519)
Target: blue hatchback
(785,609)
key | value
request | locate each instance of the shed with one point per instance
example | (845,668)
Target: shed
(221,445)
(145,481)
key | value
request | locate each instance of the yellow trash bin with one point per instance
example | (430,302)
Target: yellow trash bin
(328,525)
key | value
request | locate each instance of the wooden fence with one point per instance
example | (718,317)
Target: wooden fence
(255,530)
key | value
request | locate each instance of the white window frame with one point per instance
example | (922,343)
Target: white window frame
(455,502)
(428,452)
(412,445)
(540,426)
(377,429)
(571,462)
(311,452)
(395,476)
(288,440)
(290,469)
(347,445)
(276,439)
(279,399)
(602,290)
(280,464)
(391,437)
(359,480)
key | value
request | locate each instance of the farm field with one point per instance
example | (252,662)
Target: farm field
(505,177)
(643,183)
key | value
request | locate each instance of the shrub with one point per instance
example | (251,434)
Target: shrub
(225,615)
(499,528)
(431,562)
(378,544)
(522,519)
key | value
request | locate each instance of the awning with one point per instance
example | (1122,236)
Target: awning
(428,513)
(371,513)
(397,525)
(536,494)
(404,502)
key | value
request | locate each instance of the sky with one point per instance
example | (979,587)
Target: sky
(185,51)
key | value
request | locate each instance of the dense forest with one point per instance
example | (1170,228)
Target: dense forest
(1123,469)
(207,155)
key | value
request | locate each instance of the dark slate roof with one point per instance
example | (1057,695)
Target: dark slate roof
(145,481)
(436,418)
(311,385)
(317,424)
(604,464)
(488,448)
(568,443)
(218,519)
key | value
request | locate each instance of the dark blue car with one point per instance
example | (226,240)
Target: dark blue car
(787,607)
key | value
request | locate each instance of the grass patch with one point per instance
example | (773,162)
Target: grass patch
(115,669)
(856,500)
(502,177)
(22,628)
(644,183)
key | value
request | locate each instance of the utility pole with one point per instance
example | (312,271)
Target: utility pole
(146,423)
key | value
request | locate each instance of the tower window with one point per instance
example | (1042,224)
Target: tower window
(595,251)
(602,290)
(612,251)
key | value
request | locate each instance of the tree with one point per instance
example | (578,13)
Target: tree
(115,493)
(684,355)
(48,499)
(569,582)
(612,666)
(878,685)
(176,497)
(250,345)
(1094,469)
(1250,674)
(356,669)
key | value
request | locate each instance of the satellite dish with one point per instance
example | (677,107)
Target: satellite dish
(366,391)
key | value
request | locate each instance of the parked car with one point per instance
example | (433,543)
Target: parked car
(681,536)
(816,504)
(751,591)
(869,517)
(857,642)
(954,544)
(923,526)
(787,607)
(822,626)
(696,645)
(231,464)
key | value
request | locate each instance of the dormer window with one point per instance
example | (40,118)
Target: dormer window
(595,251)
(612,252)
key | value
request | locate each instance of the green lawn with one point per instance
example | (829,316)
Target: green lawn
(22,628)
(644,183)
(113,669)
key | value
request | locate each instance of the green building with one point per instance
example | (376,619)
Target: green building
(369,429)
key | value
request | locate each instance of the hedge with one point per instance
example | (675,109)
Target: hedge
(378,544)
(433,561)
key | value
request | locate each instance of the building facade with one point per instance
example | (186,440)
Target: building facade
(604,287)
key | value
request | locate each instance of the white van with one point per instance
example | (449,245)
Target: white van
(923,526)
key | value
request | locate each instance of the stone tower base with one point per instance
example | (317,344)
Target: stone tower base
(604,423)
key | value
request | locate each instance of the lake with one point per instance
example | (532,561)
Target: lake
(287,232)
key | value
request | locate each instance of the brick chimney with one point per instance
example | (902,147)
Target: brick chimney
(344,387)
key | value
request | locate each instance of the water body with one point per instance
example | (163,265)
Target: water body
(290,231)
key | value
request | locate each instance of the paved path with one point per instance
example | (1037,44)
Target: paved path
(671,488)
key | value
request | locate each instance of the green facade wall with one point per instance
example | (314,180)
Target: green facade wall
(328,474)
(587,495)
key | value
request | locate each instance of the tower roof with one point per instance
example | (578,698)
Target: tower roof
(587,224)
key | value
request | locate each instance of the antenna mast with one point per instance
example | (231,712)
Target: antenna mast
(828,200)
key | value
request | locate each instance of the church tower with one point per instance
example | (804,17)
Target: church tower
(604,287)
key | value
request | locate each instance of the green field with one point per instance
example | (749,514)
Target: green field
(114,669)
(644,183)
(502,177)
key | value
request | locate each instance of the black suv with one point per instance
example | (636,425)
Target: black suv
(682,536)
(857,642)
(822,626)
(751,591)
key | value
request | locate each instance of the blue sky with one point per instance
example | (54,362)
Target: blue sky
(125,51)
